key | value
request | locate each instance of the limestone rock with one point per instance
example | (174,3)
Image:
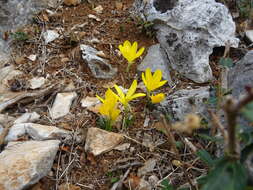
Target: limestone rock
(100,68)
(182,102)
(249,35)
(27,117)
(241,75)
(99,141)
(6,74)
(62,104)
(155,60)
(188,30)
(36,132)
(37,82)
(25,163)
(89,101)
(50,35)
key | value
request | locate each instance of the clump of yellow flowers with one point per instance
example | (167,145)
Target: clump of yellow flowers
(152,82)
(109,109)
(129,51)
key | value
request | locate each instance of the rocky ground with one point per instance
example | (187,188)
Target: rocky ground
(68,53)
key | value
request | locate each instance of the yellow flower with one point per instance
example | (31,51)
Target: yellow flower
(157,98)
(109,106)
(109,110)
(130,95)
(130,51)
(108,95)
(152,82)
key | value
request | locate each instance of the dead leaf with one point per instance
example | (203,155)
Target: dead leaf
(118,5)
(72,2)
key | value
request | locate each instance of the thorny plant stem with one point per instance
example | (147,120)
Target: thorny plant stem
(232,109)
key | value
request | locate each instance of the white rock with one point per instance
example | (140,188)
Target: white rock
(50,35)
(36,132)
(249,34)
(94,17)
(62,104)
(99,9)
(149,166)
(89,101)
(27,117)
(122,147)
(99,141)
(25,163)
(32,57)
(188,30)
(37,82)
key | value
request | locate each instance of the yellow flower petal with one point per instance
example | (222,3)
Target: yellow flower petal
(137,96)
(134,47)
(132,89)
(140,52)
(157,98)
(101,99)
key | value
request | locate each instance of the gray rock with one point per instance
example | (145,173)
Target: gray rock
(100,68)
(249,35)
(25,163)
(155,60)
(241,75)
(188,30)
(183,102)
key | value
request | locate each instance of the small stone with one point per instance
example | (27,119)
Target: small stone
(94,41)
(122,147)
(94,17)
(249,35)
(89,101)
(72,2)
(50,35)
(99,9)
(100,68)
(27,118)
(62,104)
(37,82)
(149,166)
(99,141)
(32,57)
(25,163)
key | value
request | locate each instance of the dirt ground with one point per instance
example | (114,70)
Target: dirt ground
(61,62)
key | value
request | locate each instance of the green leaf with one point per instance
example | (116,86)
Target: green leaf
(226,62)
(205,157)
(166,185)
(114,179)
(226,175)
(209,138)
(249,188)
(247,111)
